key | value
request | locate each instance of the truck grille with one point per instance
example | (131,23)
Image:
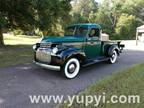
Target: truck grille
(43,55)
(45,45)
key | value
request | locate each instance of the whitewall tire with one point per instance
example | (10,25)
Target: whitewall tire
(113,57)
(71,68)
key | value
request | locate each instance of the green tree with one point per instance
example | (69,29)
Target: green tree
(108,14)
(134,7)
(83,10)
(47,15)
(51,14)
(112,12)
(126,26)
(15,13)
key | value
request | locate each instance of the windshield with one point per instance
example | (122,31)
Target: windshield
(76,31)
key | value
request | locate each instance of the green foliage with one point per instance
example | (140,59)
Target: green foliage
(84,11)
(108,15)
(49,16)
(3,21)
(118,18)
(135,7)
(17,13)
(18,32)
(126,26)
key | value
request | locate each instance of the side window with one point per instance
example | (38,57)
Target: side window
(94,32)
(69,31)
(81,31)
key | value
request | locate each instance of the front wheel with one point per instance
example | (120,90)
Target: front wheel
(113,57)
(71,68)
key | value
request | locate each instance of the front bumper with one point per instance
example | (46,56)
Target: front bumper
(51,67)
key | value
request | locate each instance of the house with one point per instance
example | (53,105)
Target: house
(140,34)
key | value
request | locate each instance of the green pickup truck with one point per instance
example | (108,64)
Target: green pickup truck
(82,45)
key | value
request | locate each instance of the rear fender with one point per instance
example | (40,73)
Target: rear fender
(113,47)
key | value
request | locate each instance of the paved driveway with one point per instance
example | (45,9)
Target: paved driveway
(17,83)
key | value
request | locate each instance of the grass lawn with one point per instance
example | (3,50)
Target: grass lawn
(127,82)
(18,50)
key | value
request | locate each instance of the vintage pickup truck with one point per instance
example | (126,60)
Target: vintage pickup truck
(82,45)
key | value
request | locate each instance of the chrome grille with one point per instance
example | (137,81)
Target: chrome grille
(43,55)
(45,45)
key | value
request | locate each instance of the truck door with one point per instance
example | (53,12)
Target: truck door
(93,44)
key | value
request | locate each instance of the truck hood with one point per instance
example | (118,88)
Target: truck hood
(64,39)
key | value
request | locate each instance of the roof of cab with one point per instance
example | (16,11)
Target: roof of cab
(87,24)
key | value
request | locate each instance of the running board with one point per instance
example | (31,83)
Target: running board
(90,62)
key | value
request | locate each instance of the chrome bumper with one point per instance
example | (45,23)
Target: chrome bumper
(51,67)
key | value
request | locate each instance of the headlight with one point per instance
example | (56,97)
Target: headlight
(55,50)
(34,47)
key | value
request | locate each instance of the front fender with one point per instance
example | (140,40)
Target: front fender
(73,52)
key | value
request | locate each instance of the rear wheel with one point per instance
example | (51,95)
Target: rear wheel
(113,57)
(71,68)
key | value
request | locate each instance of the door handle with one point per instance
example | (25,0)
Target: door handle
(92,42)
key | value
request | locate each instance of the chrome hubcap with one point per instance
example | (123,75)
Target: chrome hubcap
(71,68)
(113,56)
